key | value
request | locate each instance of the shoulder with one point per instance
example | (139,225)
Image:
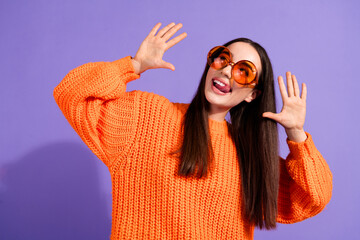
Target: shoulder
(181,107)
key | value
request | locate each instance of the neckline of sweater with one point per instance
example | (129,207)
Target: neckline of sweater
(218,126)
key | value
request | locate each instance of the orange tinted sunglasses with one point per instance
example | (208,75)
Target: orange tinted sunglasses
(243,72)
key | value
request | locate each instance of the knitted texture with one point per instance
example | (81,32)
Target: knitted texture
(133,133)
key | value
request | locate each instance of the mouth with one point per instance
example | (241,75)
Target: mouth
(221,86)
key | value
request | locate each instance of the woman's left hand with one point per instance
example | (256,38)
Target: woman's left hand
(292,115)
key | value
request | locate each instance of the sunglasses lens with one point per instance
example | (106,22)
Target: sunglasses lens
(219,57)
(243,73)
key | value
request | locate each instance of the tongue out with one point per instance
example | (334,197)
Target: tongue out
(224,89)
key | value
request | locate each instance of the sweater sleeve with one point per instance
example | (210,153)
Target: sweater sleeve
(94,100)
(305,182)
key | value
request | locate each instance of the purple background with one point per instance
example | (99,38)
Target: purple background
(53,187)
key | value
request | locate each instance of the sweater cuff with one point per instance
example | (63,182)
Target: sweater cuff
(299,146)
(126,67)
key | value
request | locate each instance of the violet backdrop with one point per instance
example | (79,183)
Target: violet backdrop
(53,187)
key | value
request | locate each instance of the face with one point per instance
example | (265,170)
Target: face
(217,80)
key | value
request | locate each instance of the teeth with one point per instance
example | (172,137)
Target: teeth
(220,83)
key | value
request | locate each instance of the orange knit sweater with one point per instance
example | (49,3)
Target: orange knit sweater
(133,134)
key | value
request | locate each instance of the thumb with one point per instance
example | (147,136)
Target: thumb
(167,65)
(271,115)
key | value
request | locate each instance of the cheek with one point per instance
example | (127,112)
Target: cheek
(209,77)
(240,94)
(210,74)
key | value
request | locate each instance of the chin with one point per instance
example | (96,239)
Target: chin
(217,101)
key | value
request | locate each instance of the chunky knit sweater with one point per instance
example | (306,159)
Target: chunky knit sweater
(133,133)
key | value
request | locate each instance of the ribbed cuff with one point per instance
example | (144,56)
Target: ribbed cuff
(300,146)
(126,67)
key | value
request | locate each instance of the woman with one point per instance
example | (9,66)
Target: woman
(180,171)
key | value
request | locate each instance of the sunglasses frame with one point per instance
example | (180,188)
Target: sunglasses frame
(232,64)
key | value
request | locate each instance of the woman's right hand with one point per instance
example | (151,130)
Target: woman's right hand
(152,49)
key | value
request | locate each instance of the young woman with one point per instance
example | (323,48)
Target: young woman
(181,171)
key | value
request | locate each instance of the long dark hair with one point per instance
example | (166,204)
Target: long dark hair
(255,138)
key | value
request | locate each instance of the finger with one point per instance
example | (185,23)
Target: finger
(172,31)
(289,84)
(282,87)
(165,29)
(296,86)
(272,116)
(304,92)
(175,40)
(154,30)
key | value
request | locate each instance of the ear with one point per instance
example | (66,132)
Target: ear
(252,95)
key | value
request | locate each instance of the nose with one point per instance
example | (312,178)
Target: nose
(226,71)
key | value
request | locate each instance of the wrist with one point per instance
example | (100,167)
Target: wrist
(296,135)
(136,66)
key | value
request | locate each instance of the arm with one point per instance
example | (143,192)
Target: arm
(305,179)
(305,182)
(93,97)
(94,100)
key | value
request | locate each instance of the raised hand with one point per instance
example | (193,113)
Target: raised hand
(292,115)
(152,49)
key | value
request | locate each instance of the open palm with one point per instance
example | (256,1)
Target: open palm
(292,115)
(152,49)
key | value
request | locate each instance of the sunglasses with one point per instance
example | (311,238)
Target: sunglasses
(243,72)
